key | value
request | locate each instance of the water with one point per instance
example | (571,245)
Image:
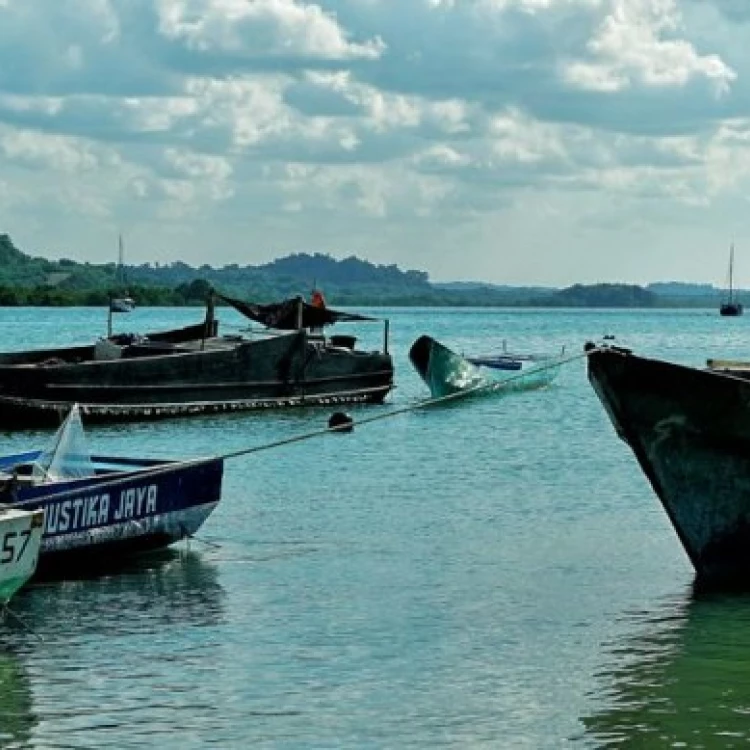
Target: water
(492,574)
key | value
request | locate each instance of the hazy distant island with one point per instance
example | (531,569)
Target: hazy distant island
(39,281)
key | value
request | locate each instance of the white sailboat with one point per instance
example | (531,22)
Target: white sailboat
(123,303)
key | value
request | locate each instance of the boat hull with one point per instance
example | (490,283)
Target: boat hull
(226,375)
(447,373)
(136,506)
(731,309)
(689,430)
(20,541)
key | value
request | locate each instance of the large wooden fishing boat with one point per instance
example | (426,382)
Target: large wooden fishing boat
(689,428)
(195,370)
(99,509)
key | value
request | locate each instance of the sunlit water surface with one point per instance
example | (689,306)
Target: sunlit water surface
(491,574)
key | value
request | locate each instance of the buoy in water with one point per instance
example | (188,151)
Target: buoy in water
(341,422)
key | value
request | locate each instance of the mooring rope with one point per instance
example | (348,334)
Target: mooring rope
(6,610)
(423,404)
(391,413)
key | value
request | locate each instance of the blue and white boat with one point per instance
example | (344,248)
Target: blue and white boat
(512,361)
(98,509)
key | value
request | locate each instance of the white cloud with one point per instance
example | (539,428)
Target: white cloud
(632,44)
(393,130)
(283,28)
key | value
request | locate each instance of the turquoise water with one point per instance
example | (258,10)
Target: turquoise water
(491,574)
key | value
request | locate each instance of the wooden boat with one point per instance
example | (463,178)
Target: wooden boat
(447,373)
(731,307)
(195,371)
(98,509)
(20,540)
(689,428)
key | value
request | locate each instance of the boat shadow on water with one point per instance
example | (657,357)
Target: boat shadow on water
(683,680)
(17,717)
(161,588)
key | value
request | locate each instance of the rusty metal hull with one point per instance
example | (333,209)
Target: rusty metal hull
(215,375)
(690,431)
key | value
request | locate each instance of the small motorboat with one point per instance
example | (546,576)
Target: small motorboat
(445,372)
(98,509)
(122,304)
(512,361)
(20,541)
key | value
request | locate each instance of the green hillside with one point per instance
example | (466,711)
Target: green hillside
(27,280)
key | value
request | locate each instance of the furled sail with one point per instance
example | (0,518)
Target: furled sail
(67,456)
(286,315)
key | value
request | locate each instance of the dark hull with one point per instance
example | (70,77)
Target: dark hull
(226,375)
(98,521)
(690,431)
(731,309)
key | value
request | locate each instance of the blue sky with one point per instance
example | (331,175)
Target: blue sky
(513,141)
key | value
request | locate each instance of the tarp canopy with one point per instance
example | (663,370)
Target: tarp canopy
(285,315)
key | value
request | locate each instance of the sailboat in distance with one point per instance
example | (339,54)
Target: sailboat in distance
(731,307)
(122,303)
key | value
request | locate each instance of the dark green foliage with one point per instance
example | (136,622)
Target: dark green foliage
(351,282)
(599,295)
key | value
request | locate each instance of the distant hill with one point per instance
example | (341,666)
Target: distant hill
(682,289)
(600,295)
(349,282)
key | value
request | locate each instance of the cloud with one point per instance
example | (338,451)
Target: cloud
(376,127)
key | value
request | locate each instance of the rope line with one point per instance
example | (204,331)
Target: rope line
(423,404)
(122,477)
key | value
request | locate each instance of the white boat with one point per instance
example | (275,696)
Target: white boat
(122,303)
(20,542)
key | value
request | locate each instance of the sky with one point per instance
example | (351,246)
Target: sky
(542,142)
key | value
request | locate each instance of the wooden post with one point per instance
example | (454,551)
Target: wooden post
(208,325)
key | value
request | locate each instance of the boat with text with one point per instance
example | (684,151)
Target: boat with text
(20,541)
(689,428)
(98,509)
(195,370)
(445,372)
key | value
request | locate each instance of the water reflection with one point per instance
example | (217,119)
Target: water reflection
(161,589)
(683,680)
(17,718)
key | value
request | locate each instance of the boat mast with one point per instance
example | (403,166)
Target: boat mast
(120,278)
(731,270)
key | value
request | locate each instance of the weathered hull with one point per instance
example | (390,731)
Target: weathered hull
(284,370)
(690,431)
(145,505)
